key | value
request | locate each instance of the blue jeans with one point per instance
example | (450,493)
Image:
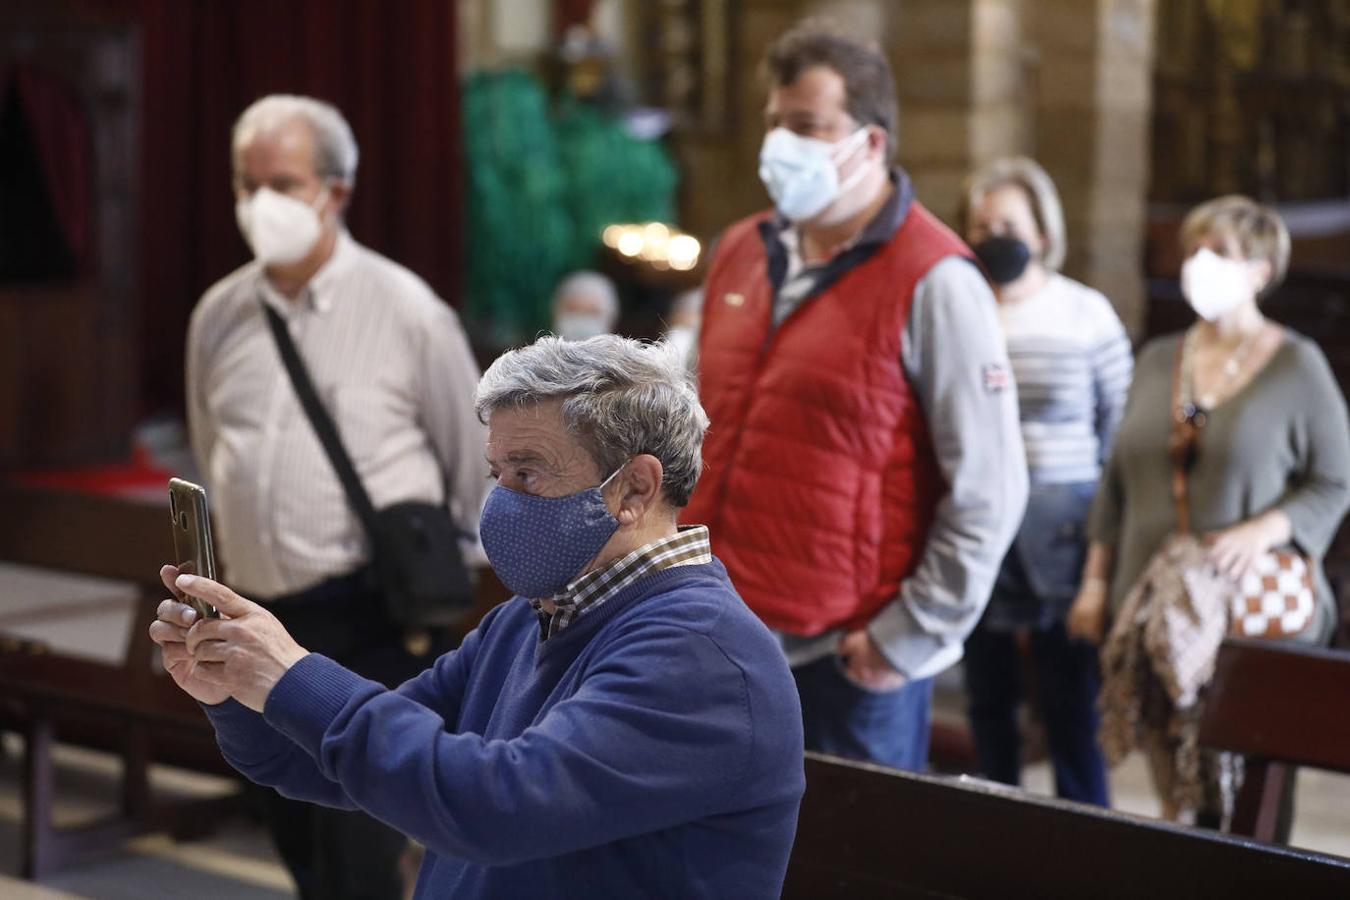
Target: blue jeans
(1067,682)
(887,728)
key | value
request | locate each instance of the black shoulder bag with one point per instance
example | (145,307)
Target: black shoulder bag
(414,546)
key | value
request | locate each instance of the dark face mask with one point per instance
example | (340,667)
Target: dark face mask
(1004,258)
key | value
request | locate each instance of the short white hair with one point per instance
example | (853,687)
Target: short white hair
(335,150)
(620,398)
(592,284)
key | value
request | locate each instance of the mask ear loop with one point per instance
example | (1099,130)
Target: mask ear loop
(601,485)
(859,173)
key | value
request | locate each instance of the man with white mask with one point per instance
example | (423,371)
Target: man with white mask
(866,470)
(391,366)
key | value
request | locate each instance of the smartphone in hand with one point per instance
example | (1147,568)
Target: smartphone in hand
(191,525)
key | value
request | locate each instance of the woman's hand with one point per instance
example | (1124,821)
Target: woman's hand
(1234,551)
(1087,616)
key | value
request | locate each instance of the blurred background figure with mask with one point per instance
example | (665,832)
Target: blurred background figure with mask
(865,466)
(682,325)
(1072,364)
(585,305)
(1257,454)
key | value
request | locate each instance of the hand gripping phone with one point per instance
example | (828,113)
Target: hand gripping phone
(192,550)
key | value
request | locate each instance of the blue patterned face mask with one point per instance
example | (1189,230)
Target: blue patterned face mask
(536,545)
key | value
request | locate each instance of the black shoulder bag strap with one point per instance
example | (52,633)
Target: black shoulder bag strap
(323,426)
(415,556)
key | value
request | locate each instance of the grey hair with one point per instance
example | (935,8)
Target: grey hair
(620,398)
(593,284)
(335,150)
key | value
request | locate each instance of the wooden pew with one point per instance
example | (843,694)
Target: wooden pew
(865,831)
(131,708)
(1280,706)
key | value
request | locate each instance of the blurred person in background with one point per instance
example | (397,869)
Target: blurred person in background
(585,305)
(393,369)
(683,323)
(1071,361)
(865,461)
(1248,413)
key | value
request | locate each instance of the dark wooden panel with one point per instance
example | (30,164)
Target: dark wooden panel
(72,384)
(871,832)
(1280,702)
(52,680)
(91,535)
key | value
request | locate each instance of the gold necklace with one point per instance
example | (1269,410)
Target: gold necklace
(1230,369)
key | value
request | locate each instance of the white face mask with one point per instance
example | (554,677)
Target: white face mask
(801,174)
(579,326)
(1215,285)
(279,229)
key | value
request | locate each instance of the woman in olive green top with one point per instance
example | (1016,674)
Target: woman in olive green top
(1272,462)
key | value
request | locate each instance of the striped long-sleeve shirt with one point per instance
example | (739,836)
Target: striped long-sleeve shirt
(1072,362)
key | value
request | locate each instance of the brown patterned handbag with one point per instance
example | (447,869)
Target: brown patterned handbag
(1275,598)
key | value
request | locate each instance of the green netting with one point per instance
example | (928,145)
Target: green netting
(539,191)
(611,176)
(519,236)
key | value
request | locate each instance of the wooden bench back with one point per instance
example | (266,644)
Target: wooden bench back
(1280,702)
(871,832)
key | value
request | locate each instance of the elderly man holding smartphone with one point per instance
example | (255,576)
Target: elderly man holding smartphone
(624,727)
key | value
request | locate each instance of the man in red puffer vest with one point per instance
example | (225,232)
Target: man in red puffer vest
(864,473)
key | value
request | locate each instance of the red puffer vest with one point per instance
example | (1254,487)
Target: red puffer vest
(819,480)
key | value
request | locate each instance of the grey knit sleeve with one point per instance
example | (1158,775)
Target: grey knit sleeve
(1319,491)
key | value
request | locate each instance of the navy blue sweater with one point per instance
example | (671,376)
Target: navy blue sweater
(653,748)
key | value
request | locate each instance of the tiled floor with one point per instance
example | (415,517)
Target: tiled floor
(92,618)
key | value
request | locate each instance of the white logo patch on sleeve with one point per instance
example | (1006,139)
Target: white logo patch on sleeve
(996,378)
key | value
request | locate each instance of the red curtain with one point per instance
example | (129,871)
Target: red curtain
(61,136)
(391,69)
(567,13)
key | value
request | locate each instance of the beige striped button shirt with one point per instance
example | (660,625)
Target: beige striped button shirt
(390,362)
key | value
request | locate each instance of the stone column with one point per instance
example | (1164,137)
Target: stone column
(1093,109)
(963,98)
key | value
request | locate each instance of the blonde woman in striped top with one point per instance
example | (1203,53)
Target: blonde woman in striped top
(1072,363)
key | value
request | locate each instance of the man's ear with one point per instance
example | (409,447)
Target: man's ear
(639,488)
(877,140)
